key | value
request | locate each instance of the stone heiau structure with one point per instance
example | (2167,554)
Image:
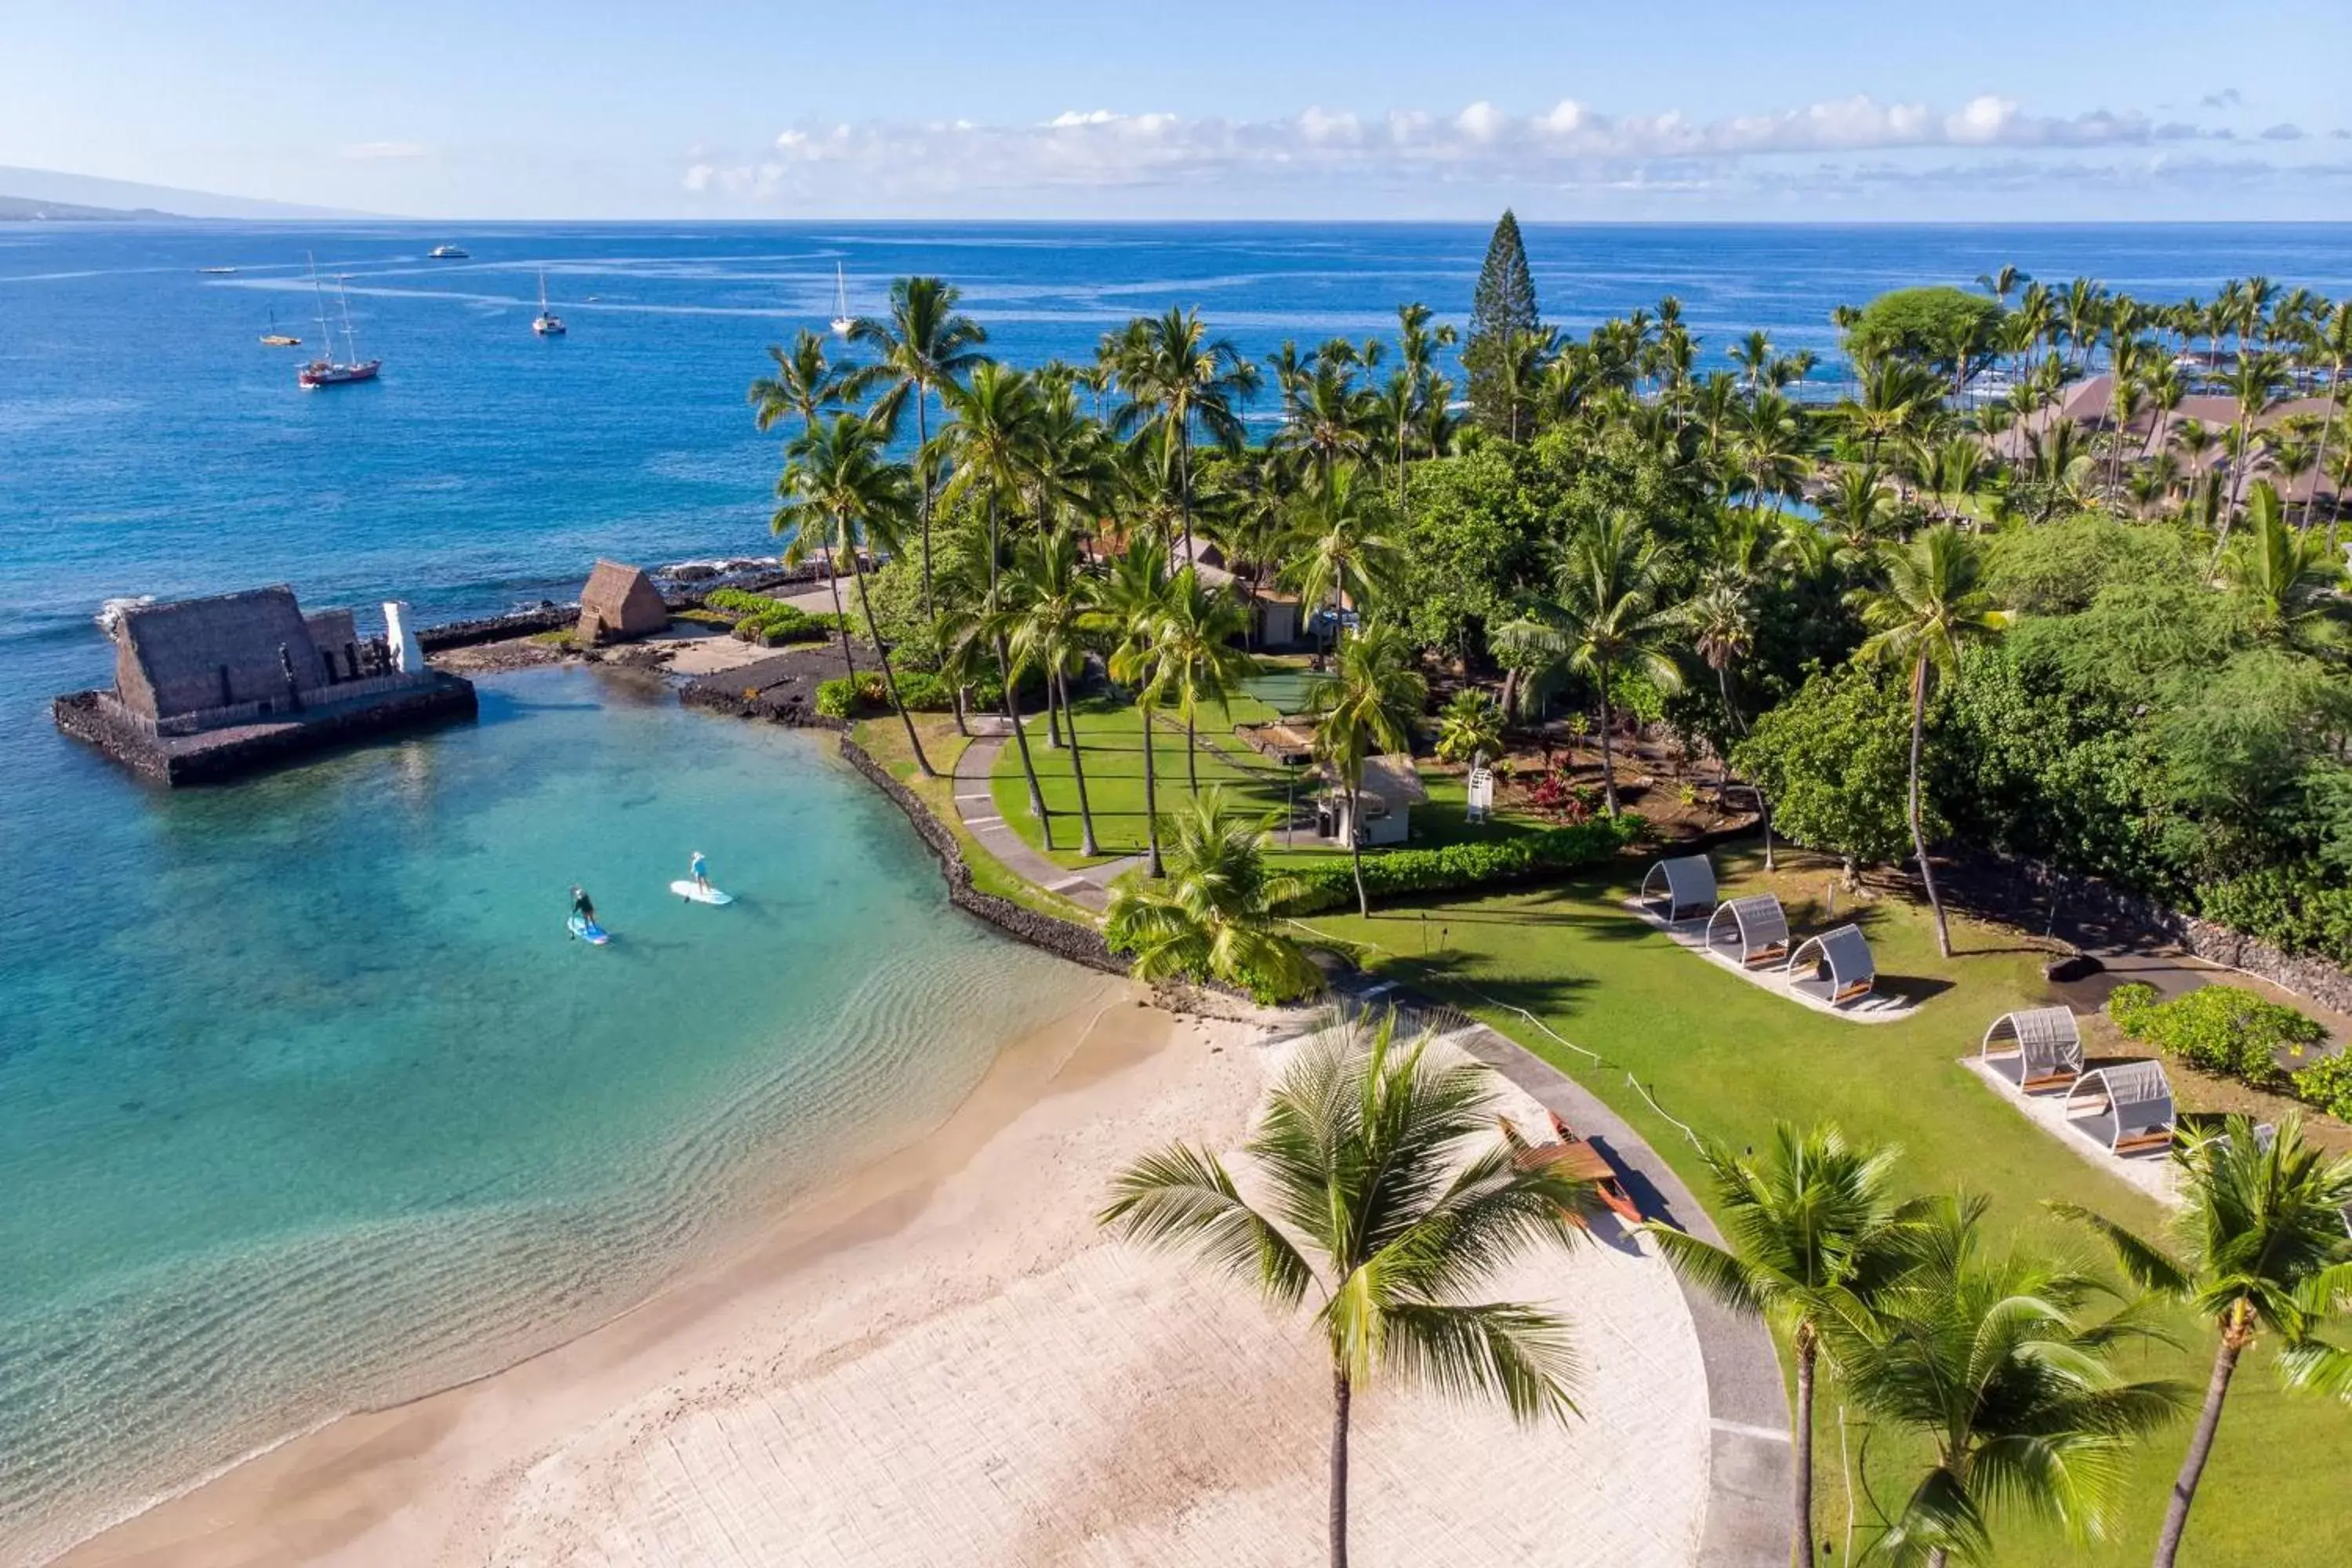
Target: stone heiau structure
(207,688)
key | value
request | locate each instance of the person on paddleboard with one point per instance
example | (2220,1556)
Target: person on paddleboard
(700,869)
(583,906)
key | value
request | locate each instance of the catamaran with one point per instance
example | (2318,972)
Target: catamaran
(842,319)
(327,370)
(547,323)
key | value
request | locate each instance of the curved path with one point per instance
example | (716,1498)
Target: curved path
(1747,1404)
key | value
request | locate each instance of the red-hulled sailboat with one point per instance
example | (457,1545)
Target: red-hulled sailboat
(327,370)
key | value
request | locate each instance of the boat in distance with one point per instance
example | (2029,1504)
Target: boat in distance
(327,370)
(447,253)
(547,323)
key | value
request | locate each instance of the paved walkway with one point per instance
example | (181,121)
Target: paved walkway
(976,808)
(1747,1405)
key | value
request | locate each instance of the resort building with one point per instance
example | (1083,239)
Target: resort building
(207,687)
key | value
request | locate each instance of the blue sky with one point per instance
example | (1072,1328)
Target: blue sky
(1373,109)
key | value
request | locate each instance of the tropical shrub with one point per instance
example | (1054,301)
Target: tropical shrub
(1555,795)
(1471,723)
(2285,907)
(1398,872)
(2222,1028)
(736,601)
(2328,1084)
(842,698)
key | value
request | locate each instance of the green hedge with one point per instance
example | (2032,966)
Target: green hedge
(2290,909)
(840,698)
(1391,873)
(2224,1029)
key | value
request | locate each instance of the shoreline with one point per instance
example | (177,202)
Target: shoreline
(233,1513)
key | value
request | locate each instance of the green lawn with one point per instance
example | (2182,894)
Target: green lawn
(1111,736)
(1731,1060)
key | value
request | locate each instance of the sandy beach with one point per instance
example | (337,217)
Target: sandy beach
(945,1360)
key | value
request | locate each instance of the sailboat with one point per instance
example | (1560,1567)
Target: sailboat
(842,319)
(273,339)
(327,370)
(547,323)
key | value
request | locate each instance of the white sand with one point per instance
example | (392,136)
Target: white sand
(949,1362)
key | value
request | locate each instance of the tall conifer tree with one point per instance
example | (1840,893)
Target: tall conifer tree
(1503,305)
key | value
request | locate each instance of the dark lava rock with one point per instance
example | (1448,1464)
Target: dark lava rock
(2075,966)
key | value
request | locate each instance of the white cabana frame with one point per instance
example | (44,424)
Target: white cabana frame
(1754,930)
(2127,1106)
(2035,1049)
(1689,884)
(1835,966)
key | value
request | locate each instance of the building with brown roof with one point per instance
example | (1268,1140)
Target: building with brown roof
(619,603)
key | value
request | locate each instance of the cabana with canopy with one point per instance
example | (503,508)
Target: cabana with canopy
(1688,883)
(2127,1106)
(1835,966)
(1754,928)
(2035,1049)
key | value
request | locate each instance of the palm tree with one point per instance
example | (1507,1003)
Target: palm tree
(1194,661)
(1602,616)
(2286,580)
(1213,917)
(838,494)
(1376,1210)
(1331,422)
(1470,722)
(2332,341)
(2261,1245)
(1997,1365)
(1813,1223)
(1340,555)
(1931,607)
(806,383)
(1050,603)
(1175,377)
(1722,627)
(1366,705)
(990,447)
(1135,602)
(2255,383)
(923,345)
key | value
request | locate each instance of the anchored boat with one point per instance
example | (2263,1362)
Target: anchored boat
(547,323)
(327,370)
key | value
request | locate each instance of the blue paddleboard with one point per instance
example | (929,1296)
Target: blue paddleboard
(588,932)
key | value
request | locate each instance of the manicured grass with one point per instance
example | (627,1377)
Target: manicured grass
(1112,738)
(885,741)
(1731,1060)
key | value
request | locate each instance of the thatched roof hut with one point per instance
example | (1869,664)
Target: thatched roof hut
(620,601)
(196,654)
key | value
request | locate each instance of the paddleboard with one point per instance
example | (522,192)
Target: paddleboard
(687,890)
(588,932)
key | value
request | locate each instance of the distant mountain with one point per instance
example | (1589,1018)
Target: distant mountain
(87,198)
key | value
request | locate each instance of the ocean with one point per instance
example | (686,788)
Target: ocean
(305,1102)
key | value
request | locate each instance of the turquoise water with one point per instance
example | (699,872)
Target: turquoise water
(311,1104)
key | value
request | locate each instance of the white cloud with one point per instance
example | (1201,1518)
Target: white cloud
(384,149)
(1567,144)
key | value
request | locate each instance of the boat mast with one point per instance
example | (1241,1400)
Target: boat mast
(351,343)
(326,331)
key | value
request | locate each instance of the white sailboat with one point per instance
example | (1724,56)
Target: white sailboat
(327,370)
(547,323)
(842,319)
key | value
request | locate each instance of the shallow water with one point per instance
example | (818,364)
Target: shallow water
(312,1103)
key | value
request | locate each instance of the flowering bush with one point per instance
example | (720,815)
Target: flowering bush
(1555,795)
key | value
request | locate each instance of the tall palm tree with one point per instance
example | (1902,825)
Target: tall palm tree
(1933,606)
(1366,705)
(1602,615)
(1814,1222)
(839,494)
(807,382)
(1212,919)
(1333,421)
(2259,1245)
(1177,377)
(1998,1365)
(1338,555)
(1722,626)
(1134,605)
(1195,663)
(922,345)
(1375,1209)
(991,448)
(2286,581)
(2253,383)
(2332,346)
(1050,603)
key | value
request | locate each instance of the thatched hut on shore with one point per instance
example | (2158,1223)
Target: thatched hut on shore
(620,601)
